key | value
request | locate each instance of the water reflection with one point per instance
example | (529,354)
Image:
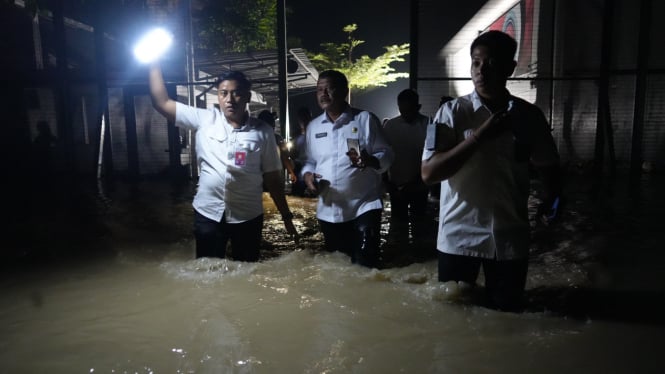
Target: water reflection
(116,289)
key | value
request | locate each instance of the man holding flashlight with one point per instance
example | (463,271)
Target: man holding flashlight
(346,155)
(236,154)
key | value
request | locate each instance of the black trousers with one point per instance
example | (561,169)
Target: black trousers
(504,280)
(411,200)
(359,238)
(212,237)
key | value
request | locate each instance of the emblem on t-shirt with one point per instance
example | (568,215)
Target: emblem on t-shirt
(354,130)
(241,158)
(321,135)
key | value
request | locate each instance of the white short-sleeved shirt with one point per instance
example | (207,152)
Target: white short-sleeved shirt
(406,140)
(231,163)
(483,207)
(346,192)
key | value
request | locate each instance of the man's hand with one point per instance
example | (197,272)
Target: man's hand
(291,229)
(354,157)
(293,177)
(494,126)
(363,159)
(309,179)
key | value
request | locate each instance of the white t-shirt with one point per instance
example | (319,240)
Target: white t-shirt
(406,140)
(483,207)
(231,162)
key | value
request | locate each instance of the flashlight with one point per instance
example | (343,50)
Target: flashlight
(153,45)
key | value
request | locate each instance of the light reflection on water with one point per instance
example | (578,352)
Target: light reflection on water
(147,306)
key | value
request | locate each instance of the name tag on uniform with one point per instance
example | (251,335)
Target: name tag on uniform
(241,158)
(321,135)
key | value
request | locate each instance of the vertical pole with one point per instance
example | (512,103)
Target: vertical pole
(104,159)
(603,123)
(37,43)
(281,65)
(191,77)
(100,155)
(62,87)
(552,58)
(413,44)
(636,156)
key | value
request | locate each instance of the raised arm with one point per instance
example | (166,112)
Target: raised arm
(444,164)
(160,97)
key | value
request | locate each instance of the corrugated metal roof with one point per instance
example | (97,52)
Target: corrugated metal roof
(262,69)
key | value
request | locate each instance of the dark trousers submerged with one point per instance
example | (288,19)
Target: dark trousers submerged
(411,200)
(504,280)
(359,238)
(212,237)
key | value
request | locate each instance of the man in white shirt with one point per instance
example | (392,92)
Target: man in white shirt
(236,154)
(484,144)
(346,155)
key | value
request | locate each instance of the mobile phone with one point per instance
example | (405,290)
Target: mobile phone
(430,139)
(440,137)
(353,144)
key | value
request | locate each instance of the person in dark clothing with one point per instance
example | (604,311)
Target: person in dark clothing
(298,153)
(270,118)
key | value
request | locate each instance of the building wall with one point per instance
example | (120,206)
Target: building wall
(564,75)
(41,108)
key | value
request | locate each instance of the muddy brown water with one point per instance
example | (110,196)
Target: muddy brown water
(106,283)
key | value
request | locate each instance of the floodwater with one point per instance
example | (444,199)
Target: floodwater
(105,282)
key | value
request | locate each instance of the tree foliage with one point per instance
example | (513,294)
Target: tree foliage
(363,72)
(220,26)
(237,26)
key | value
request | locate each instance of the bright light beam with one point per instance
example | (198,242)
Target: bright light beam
(153,45)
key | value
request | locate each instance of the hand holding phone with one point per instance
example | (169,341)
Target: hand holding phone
(353,146)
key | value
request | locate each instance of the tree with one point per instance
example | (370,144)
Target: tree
(364,72)
(237,26)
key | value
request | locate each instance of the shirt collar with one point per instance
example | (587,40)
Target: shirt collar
(249,124)
(475,100)
(478,102)
(343,119)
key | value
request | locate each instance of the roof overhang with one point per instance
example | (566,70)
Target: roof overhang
(262,69)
